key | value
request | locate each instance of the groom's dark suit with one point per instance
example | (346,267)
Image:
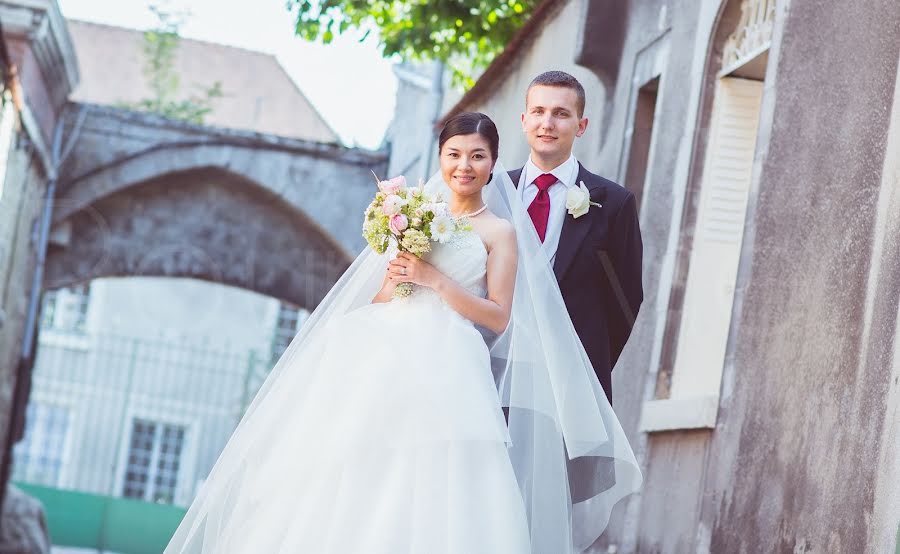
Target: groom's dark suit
(598,267)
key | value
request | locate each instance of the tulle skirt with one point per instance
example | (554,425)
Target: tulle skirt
(385,437)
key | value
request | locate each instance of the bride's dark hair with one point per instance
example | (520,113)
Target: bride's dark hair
(469,123)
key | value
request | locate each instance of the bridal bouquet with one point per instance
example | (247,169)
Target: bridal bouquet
(408,218)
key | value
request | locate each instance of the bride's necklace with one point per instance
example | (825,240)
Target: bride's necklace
(471,214)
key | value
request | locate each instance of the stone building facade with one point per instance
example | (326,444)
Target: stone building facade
(761,384)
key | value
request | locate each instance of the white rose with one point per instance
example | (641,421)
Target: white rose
(578,200)
(440,209)
(392,205)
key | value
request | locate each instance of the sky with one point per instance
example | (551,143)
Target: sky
(349,82)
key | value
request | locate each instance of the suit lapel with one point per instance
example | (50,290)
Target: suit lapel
(574,230)
(515,175)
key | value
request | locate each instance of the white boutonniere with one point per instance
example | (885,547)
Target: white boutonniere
(578,200)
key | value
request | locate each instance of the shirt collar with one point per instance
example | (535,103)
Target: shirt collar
(565,173)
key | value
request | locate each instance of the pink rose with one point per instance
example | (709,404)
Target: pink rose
(399,223)
(392,186)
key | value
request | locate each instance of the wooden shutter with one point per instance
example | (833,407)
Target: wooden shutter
(709,294)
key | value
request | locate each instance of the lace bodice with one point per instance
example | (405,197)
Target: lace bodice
(463,259)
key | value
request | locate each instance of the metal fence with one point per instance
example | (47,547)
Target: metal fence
(134,418)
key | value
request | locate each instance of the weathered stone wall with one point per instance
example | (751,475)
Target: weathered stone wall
(884,526)
(24,524)
(24,189)
(794,460)
(40,72)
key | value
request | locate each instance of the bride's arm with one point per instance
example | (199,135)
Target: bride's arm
(492,312)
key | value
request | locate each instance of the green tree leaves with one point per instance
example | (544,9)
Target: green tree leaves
(464,34)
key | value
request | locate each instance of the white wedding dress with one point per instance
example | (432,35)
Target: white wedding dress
(394,442)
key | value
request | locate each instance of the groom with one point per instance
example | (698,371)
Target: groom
(596,254)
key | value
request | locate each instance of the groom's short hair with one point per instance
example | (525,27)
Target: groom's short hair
(559,79)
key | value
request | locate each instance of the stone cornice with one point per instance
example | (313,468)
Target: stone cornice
(42,25)
(198,134)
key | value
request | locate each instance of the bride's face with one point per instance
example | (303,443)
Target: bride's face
(466,163)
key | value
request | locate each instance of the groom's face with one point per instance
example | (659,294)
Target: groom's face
(551,122)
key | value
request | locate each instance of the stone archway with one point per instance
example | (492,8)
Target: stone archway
(243,235)
(147,196)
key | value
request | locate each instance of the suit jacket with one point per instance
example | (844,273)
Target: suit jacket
(598,267)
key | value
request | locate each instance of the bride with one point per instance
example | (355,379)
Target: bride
(381,429)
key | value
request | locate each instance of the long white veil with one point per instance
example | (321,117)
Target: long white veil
(570,455)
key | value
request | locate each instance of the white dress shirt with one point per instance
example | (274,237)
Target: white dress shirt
(567,176)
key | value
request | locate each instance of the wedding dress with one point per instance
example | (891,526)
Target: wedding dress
(394,443)
(380,429)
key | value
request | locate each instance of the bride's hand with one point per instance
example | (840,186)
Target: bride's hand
(407,268)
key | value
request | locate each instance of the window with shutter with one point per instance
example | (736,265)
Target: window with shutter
(714,258)
(717,243)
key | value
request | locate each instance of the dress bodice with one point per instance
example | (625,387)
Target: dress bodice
(463,258)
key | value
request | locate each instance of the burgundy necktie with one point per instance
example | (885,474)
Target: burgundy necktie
(539,210)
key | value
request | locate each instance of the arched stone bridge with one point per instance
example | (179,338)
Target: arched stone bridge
(143,195)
